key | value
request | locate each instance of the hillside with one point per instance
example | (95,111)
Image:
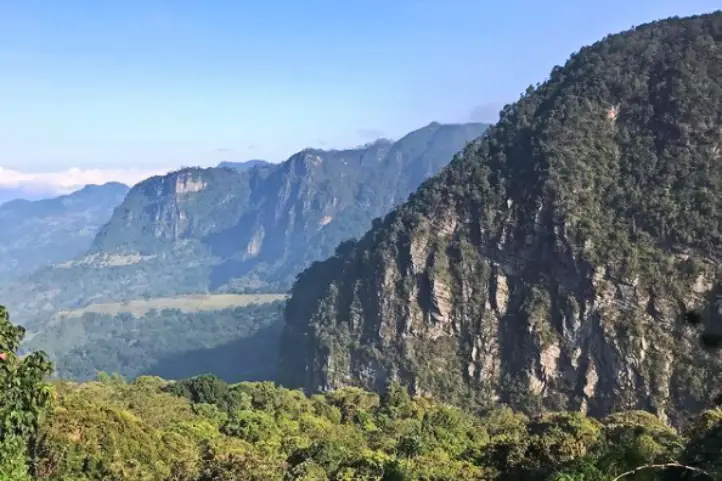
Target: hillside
(223,230)
(39,233)
(188,303)
(202,429)
(236,340)
(549,265)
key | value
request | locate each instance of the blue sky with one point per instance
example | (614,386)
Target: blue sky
(152,84)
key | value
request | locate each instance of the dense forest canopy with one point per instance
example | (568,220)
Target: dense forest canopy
(236,343)
(203,429)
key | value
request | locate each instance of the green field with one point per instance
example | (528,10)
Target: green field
(187,303)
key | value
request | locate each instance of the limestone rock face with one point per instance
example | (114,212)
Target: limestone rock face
(239,227)
(548,267)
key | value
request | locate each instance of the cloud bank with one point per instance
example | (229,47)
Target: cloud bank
(72,179)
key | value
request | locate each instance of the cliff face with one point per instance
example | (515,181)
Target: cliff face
(188,204)
(224,229)
(317,199)
(260,226)
(549,265)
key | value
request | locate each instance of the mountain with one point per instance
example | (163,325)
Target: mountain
(218,230)
(241,166)
(43,232)
(549,266)
(8,194)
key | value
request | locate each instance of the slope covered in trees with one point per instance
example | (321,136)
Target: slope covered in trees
(202,429)
(549,264)
(236,344)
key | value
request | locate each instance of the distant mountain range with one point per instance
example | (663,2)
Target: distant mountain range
(241,166)
(7,194)
(241,229)
(38,233)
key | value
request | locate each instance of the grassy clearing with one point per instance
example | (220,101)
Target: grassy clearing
(188,303)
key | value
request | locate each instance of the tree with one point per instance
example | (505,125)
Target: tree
(24,399)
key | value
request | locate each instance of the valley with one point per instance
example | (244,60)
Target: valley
(192,265)
(187,304)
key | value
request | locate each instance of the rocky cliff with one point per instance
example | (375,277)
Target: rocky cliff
(548,266)
(225,229)
(259,227)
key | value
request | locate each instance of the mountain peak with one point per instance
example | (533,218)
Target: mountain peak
(102,188)
(538,268)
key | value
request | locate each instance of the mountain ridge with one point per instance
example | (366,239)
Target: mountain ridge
(8,194)
(245,165)
(201,230)
(37,233)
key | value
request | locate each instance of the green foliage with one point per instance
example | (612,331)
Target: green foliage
(203,429)
(239,343)
(205,389)
(705,446)
(251,426)
(24,400)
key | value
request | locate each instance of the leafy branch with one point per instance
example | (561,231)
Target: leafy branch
(664,466)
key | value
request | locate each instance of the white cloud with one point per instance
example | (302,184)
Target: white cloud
(72,179)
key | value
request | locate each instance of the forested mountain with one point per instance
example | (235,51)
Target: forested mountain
(220,229)
(39,233)
(549,265)
(567,265)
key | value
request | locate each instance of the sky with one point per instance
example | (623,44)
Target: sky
(99,90)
